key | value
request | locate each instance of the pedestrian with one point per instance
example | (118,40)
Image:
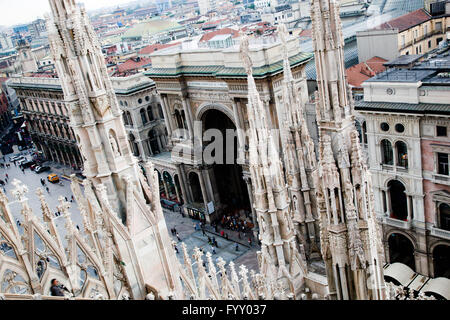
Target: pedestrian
(66,199)
(174,230)
(209,240)
(178,237)
(7,176)
(213,250)
(203,232)
(72,198)
(23,170)
(46,188)
(78,228)
(226,236)
(250,241)
(237,247)
(175,247)
(216,228)
(18,223)
(239,235)
(222,233)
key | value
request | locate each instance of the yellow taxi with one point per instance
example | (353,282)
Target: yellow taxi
(53,178)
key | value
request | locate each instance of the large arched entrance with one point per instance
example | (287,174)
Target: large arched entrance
(441,261)
(401,250)
(398,200)
(228,174)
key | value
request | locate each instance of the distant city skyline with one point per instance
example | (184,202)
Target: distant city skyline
(24,11)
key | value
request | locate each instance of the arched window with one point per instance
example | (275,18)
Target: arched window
(161,114)
(134,145)
(402,154)
(130,119)
(387,155)
(441,261)
(150,113)
(364,130)
(143,116)
(125,118)
(398,200)
(444,216)
(401,250)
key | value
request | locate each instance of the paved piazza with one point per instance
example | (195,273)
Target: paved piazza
(184,225)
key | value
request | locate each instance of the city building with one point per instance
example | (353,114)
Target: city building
(206,86)
(47,118)
(45,112)
(407,120)
(417,32)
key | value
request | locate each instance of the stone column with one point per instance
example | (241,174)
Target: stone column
(158,140)
(182,184)
(167,115)
(141,148)
(188,115)
(388,202)
(238,123)
(204,194)
(185,184)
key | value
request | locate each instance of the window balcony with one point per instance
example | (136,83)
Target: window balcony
(440,233)
(441,179)
(397,223)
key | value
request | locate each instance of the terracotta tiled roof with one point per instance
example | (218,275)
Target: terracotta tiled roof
(153,47)
(406,21)
(306,33)
(208,36)
(133,64)
(359,73)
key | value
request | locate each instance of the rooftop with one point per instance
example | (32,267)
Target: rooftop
(419,108)
(363,71)
(402,75)
(406,21)
(404,60)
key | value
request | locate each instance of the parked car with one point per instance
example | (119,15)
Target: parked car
(41,169)
(17,158)
(53,178)
(27,164)
(33,166)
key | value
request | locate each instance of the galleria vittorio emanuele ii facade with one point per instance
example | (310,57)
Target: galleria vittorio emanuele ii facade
(306,186)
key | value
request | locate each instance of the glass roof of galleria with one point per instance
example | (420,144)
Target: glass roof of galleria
(224,72)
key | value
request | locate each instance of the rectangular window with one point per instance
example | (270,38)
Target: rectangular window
(443,163)
(438,26)
(441,131)
(429,44)
(403,41)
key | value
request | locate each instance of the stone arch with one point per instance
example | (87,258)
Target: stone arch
(194,184)
(204,107)
(401,249)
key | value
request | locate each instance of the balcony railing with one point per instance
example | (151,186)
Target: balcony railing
(441,233)
(397,223)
